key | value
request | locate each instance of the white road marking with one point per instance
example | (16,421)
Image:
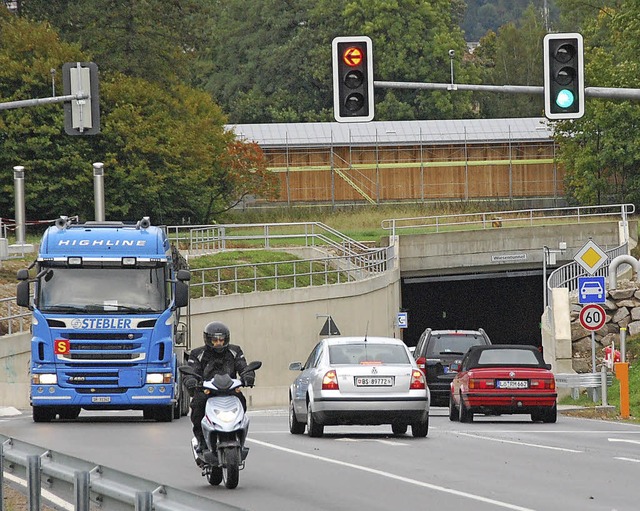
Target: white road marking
(637,442)
(57,501)
(503,441)
(386,442)
(434,487)
(626,459)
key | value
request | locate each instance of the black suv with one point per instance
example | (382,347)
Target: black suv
(437,350)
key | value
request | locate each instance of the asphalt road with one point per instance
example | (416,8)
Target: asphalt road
(491,464)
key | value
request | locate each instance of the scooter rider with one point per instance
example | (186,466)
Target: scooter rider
(217,356)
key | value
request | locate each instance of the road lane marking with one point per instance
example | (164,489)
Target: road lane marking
(47,495)
(637,442)
(503,441)
(415,482)
(386,442)
(626,459)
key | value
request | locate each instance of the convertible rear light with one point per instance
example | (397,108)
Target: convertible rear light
(417,380)
(481,383)
(543,383)
(330,381)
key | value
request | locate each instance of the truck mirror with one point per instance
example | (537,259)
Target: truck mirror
(182,294)
(22,294)
(23,274)
(183,275)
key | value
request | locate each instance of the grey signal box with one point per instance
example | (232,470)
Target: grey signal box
(81,117)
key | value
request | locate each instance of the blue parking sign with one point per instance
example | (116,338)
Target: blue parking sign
(591,290)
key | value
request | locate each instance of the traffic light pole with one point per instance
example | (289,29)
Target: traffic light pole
(593,92)
(43,101)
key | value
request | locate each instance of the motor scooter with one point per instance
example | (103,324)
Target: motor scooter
(225,426)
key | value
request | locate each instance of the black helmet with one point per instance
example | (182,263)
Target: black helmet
(216,330)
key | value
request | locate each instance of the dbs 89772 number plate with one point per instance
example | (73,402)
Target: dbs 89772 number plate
(374,381)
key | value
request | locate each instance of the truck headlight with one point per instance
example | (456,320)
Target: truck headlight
(44,379)
(154,378)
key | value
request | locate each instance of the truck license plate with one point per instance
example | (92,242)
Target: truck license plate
(101,399)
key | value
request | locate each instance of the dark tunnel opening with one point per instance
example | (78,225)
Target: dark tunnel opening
(508,307)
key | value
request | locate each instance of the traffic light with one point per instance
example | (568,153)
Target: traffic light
(563,76)
(352,59)
(81,117)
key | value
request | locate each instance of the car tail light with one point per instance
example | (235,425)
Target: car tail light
(330,381)
(543,383)
(422,364)
(481,383)
(417,380)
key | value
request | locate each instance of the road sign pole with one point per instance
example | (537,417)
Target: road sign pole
(593,351)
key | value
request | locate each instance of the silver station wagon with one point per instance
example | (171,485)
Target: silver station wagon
(359,381)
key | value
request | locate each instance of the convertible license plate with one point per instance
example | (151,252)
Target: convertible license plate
(101,399)
(374,381)
(513,384)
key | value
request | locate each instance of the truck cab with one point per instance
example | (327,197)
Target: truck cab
(107,331)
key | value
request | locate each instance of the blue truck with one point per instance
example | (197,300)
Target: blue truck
(108,331)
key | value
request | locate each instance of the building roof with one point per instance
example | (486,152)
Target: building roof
(385,133)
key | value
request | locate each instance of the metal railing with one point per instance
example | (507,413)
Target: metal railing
(82,485)
(13,318)
(243,278)
(199,239)
(515,218)
(567,275)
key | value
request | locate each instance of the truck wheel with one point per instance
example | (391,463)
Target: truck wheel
(69,412)
(43,413)
(164,413)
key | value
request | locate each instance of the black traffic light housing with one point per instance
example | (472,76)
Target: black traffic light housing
(563,76)
(352,59)
(81,117)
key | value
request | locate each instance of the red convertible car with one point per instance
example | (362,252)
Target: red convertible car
(503,379)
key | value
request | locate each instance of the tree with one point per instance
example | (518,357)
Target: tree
(507,59)
(600,152)
(166,152)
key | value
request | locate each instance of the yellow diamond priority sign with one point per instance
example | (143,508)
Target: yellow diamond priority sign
(591,257)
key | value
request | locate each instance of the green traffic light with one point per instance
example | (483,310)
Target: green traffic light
(565,98)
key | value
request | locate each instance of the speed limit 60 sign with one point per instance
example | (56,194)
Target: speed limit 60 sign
(592,317)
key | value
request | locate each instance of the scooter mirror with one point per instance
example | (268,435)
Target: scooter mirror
(188,370)
(252,366)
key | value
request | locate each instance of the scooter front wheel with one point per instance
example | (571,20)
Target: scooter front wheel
(231,467)
(214,476)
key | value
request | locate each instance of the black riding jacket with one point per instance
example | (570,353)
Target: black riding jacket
(207,362)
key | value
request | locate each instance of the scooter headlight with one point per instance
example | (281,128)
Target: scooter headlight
(226,415)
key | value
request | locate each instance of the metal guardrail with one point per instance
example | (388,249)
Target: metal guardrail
(80,485)
(582,380)
(516,218)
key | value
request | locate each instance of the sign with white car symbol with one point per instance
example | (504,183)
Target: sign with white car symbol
(591,290)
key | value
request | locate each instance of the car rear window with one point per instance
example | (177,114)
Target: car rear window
(368,354)
(454,344)
(508,357)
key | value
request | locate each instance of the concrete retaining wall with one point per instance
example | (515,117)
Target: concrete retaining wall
(277,327)
(15,352)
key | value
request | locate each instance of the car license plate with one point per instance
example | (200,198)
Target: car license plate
(513,384)
(101,399)
(374,381)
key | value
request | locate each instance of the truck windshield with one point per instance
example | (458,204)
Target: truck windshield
(110,290)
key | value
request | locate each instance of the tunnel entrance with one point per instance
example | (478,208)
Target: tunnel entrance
(507,305)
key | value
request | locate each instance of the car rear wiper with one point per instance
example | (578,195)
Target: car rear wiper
(451,353)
